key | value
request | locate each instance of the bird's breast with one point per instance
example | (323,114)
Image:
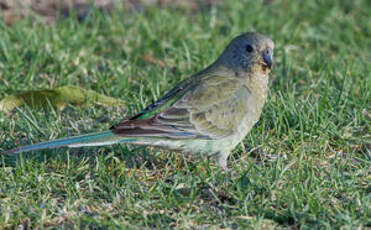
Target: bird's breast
(253,104)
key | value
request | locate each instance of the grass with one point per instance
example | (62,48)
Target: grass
(306,164)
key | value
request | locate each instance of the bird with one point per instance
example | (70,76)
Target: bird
(207,114)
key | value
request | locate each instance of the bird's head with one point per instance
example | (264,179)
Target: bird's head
(250,52)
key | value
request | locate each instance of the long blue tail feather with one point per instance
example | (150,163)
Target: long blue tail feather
(93,139)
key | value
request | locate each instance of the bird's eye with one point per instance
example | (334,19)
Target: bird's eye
(249,48)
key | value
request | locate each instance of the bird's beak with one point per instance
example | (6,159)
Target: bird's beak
(268,58)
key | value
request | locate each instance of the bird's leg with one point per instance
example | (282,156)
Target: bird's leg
(243,147)
(221,159)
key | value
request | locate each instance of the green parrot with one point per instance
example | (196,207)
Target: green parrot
(207,114)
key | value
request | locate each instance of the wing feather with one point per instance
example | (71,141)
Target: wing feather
(203,106)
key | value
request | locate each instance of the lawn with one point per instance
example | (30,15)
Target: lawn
(305,165)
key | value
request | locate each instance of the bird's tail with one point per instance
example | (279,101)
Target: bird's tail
(93,139)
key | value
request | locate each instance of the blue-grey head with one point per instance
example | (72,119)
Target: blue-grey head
(250,52)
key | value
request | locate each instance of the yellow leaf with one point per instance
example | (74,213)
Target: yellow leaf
(58,98)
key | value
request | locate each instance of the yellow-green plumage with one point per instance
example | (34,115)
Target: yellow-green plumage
(208,113)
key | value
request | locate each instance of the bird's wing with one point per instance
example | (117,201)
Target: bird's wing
(205,106)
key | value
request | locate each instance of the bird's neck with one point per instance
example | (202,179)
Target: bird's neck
(257,83)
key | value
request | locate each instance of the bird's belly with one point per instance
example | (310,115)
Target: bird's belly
(254,107)
(225,144)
